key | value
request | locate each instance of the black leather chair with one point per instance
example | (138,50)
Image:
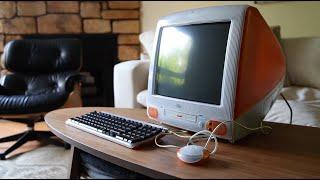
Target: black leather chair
(40,76)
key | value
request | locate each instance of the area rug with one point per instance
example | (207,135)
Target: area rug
(48,162)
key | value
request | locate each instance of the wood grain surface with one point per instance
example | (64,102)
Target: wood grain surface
(288,152)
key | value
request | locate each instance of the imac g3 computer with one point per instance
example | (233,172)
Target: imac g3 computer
(212,65)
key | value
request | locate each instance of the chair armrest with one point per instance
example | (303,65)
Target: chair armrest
(12,84)
(130,78)
(5,91)
(71,80)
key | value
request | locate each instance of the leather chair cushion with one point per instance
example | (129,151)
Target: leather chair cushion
(26,84)
(22,104)
(41,93)
(42,56)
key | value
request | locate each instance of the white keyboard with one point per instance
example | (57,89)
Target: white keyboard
(124,131)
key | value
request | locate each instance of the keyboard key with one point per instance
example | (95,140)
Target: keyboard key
(119,137)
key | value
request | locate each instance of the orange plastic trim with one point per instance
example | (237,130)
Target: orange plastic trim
(211,124)
(261,63)
(153,112)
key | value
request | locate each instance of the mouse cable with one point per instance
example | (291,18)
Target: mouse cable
(205,134)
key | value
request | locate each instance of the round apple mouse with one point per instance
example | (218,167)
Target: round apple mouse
(191,153)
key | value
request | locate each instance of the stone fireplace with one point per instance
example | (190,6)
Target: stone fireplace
(115,22)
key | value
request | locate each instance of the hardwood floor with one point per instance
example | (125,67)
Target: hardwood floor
(8,128)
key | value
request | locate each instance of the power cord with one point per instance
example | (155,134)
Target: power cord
(291,112)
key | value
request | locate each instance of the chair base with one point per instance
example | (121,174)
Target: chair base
(29,135)
(23,138)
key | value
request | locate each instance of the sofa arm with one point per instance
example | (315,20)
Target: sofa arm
(130,78)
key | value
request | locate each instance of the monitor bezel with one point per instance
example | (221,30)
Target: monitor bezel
(157,59)
(224,111)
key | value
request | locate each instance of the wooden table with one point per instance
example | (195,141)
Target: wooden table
(288,152)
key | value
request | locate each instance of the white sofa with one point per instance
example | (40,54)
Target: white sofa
(302,88)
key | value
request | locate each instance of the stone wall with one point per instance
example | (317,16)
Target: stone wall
(73,17)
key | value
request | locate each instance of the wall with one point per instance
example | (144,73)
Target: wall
(297,19)
(73,17)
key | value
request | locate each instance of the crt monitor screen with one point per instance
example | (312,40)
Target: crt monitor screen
(190,61)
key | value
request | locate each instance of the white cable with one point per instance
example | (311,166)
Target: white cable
(205,134)
(215,138)
(164,146)
(208,135)
(253,129)
(182,136)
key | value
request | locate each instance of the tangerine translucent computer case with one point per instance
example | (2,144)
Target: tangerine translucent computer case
(253,74)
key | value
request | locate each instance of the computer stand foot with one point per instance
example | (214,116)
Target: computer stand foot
(66,145)
(2,156)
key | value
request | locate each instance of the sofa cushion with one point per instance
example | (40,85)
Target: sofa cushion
(305,104)
(142,98)
(303,61)
(301,94)
(146,39)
